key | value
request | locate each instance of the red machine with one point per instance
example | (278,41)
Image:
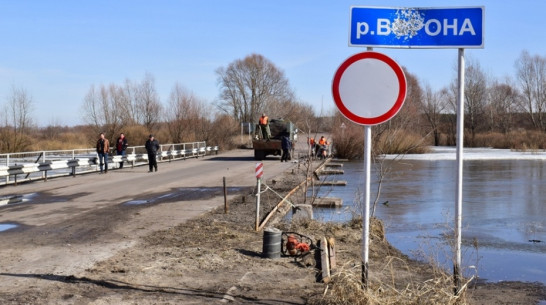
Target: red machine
(292,246)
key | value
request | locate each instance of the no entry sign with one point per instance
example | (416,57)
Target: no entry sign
(369,88)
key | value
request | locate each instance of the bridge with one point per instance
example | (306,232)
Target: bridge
(66,224)
(25,166)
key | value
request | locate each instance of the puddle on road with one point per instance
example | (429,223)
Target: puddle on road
(187,194)
(36,198)
(137,202)
(42,198)
(29,197)
(7,226)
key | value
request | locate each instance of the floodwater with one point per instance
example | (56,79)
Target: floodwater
(504,213)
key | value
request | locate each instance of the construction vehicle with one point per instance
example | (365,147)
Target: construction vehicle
(264,147)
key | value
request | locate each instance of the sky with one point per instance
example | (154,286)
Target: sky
(57,50)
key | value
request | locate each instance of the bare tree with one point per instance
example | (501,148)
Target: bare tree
(130,110)
(104,109)
(147,103)
(17,121)
(475,97)
(220,131)
(531,74)
(92,110)
(182,115)
(432,106)
(503,99)
(299,113)
(251,86)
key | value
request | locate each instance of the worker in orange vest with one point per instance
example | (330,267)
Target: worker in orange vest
(264,126)
(322,141)
(323,146)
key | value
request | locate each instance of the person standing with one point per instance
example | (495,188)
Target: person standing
(286,146)
(264,127)
(323,143)
(152,146)
(121,145)
(103,147)
(312,147)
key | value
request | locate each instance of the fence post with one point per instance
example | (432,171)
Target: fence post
(7,164)
(226,208)
(44,176)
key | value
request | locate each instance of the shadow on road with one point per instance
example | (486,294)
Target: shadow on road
(241,158)
(119,285)
(249,253)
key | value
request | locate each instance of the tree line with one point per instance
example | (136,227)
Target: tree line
(508,113)
(247,88)
(500,113)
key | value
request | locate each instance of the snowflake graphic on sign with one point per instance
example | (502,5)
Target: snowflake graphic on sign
(407,23)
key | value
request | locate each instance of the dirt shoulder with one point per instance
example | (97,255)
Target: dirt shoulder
(217,258)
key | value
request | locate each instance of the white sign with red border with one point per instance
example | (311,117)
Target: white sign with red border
(369,88)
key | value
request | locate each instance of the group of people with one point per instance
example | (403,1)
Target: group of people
(286,143)
(319,149)
(103,149)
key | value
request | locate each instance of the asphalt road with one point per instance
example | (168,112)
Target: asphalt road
(61,198)
(68,224)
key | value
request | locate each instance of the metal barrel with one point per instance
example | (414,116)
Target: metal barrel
(272,243)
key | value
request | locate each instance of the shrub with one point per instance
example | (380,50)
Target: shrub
(400,142)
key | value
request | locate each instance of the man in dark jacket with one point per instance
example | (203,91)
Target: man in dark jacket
(121,145)
(286,146)
(152,146)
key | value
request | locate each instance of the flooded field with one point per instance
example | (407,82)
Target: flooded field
(504,211)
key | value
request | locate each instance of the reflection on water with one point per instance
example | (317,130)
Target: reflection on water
(504,212)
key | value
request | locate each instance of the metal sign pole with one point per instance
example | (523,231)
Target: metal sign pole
(258,204)
(366,207)
(259,174)
(457,271)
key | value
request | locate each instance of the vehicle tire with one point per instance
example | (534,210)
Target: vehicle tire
(259,154)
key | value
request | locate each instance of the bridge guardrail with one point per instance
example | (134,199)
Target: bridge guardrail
(43,164)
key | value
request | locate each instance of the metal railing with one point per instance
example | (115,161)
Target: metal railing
(38,165)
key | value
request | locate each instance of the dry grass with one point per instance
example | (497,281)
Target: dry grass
(60,141)
(393,278)
(346,288)
(520,140)
(400,142)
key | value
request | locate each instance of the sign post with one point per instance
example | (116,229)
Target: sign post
(259,174)
(457,270)
(403,27)
(369,88)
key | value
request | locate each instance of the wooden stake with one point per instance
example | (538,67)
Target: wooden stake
(332,252)
(324,260)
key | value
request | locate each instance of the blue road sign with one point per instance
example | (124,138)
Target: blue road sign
(405,27)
